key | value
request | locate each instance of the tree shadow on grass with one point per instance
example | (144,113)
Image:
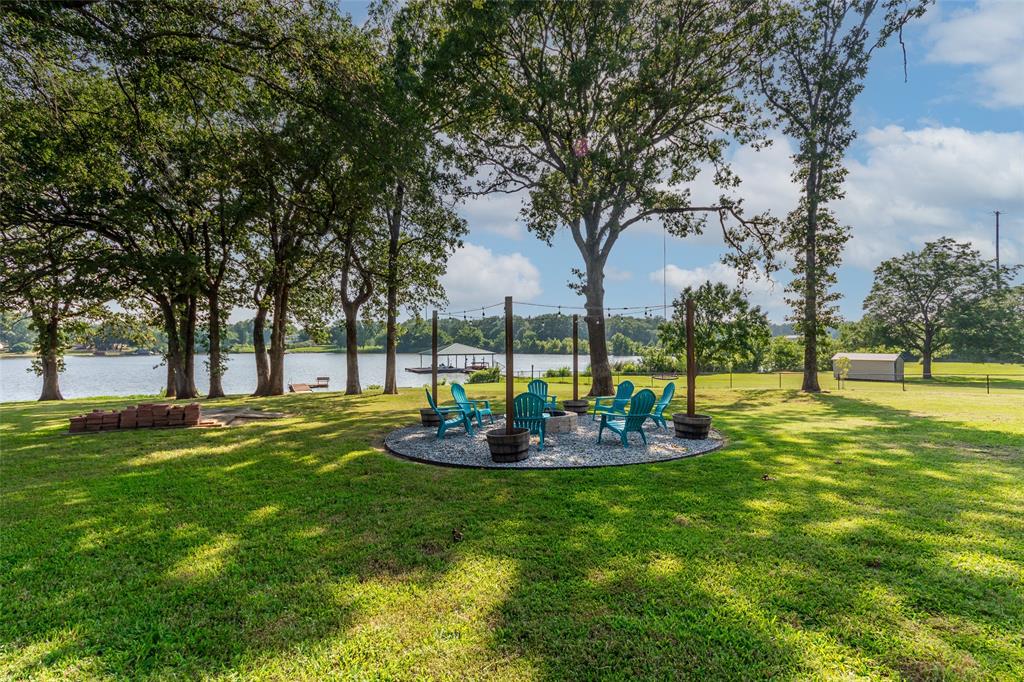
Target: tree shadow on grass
(194,550)
(893,559)
(293,548)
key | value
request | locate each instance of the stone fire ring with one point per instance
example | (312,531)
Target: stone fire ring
(572,450)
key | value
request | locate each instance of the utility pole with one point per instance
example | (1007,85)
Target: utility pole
(999,277)
(664,272)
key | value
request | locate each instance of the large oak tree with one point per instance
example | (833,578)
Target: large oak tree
(603,112)
(915,296)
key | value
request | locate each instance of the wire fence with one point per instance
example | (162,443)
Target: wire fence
(970,383)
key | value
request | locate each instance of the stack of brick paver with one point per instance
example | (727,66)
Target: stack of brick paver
(146,415)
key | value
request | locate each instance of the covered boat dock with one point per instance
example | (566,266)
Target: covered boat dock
(472,359)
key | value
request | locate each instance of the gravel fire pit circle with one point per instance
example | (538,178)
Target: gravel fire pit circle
(576,449)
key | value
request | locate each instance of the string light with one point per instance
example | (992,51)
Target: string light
(559,309)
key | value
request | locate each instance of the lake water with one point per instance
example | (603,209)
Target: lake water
(144,375)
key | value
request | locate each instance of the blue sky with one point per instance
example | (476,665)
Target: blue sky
(934,156)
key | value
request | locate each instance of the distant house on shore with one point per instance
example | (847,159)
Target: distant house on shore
(869,366)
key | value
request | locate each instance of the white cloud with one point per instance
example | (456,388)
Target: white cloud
(477,276)
(495,213)
(614,274)
(988,36)
(917,185)
(767,294)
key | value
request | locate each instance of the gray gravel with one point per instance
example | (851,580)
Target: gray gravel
(561,451)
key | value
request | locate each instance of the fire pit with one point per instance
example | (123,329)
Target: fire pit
(561,422)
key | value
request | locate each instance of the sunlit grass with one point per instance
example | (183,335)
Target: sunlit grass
(867,532)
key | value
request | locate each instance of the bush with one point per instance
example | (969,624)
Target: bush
(23,347)
(785,355)
(657,359)
(558,372)
(625,367)
(491,375)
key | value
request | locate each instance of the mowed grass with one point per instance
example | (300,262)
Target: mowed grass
(990,377)
(855,534)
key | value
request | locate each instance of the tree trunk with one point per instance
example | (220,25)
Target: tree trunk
(926,355)
(173,346)
(169,390)
(391,346)
(810,325)
(181,355)
(185,371)
(216,368)
(600,368)
(278,328)
(259,344)
(391,341)
(49,343)
(352,386)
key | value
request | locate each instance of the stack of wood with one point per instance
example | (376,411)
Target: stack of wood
(146,415)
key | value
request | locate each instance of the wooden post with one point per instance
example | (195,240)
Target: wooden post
(691,361)
(509,390)
(575,357)
(433,357)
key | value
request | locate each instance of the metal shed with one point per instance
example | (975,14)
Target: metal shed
(870,366)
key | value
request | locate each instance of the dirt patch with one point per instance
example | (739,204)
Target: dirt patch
(926,671)
(975,451)
(999,452)
(431,548)
(237,416)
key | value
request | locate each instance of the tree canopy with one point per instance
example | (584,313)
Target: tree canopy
(915,296)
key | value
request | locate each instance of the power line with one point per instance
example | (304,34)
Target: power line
(999,278)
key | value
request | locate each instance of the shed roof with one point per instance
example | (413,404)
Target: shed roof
(459,349)
(887,357)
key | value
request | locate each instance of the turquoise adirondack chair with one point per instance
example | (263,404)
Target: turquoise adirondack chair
(639,410)
(450,416)
(528,413)
(473,407)
(540,388)
(616,405)
(657,414)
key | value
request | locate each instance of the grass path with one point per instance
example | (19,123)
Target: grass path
(861,534)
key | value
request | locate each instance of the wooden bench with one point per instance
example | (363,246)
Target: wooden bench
(299,388)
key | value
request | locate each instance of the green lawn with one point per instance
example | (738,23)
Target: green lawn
(873,534)
(960,376)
